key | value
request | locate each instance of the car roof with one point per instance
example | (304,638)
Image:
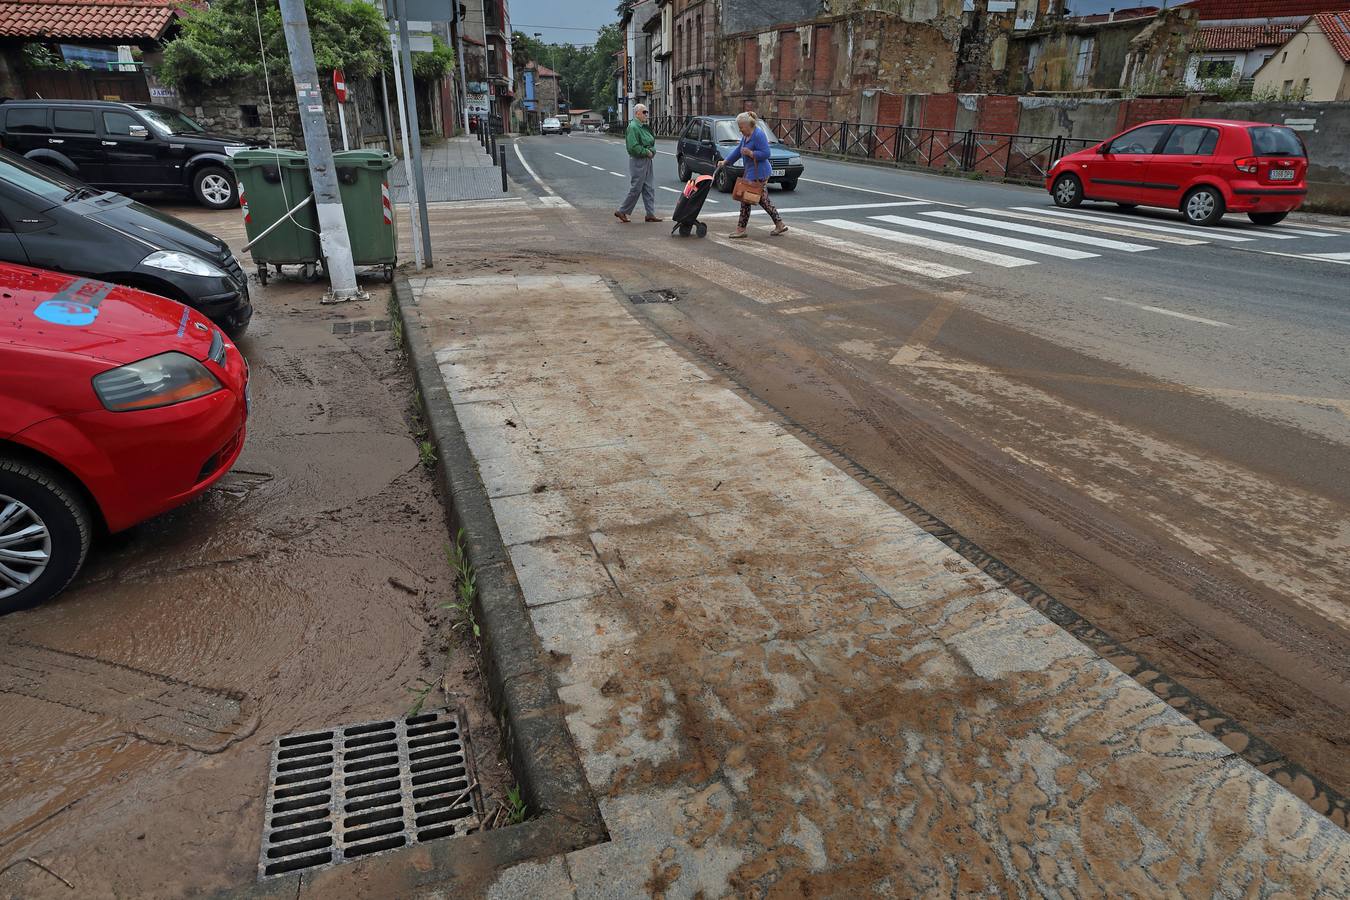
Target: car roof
(109,104)
(1218,123)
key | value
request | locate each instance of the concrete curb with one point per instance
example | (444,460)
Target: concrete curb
(563,810)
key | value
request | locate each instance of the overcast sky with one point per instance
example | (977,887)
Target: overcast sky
(572,21)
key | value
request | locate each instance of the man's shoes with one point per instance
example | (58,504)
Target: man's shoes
(653,219)
(622,217)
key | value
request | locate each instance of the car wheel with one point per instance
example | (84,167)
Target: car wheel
(1267,218)
(789,185)
(1067,191)
(1202,206)
(45,533)
(724,182)
(214,188)
(1126,207)
(684,169)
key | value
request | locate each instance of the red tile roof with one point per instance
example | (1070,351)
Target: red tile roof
(1242,37)
(1120,15)
(129,20)
(1336,26)
(543,71)
(1220,10)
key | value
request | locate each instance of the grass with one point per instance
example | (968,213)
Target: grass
(517,812)
(466,587)
(427,454)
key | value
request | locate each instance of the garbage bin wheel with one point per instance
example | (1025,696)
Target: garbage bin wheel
(701,229)
(310,272)
(389,274)
(262,274)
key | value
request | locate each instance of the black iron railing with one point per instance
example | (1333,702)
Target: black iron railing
(1009,157)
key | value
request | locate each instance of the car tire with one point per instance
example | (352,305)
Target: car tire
(1067,191)
(1267,218)
(683,169)
(34,495)
(215,188)
(1202,206)
(724,182)
(789,185)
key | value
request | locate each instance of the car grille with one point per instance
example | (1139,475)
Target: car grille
(236,271)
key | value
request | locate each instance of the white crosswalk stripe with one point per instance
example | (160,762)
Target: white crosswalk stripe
(1001,240)
(880,257)
(1284,229)
(1338,257)
(1210,234)
(899,237)
(1098,227)
(1104,243)
(810,266)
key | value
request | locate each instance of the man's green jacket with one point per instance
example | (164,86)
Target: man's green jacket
(641,142)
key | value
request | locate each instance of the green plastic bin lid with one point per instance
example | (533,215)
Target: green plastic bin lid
(290,159)
(366,159)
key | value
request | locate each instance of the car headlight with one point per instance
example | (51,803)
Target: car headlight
(158,381)
(183,264)
(794,161)
(1053,165)
(231,149)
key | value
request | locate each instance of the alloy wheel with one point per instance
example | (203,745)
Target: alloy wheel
(1065,191)
(217,189)
(25,546)
(1200,207)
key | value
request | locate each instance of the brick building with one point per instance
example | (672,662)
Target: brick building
(692,67)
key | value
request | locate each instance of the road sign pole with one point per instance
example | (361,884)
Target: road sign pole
(405,57)
(413,219)
(333,238)
(342,124)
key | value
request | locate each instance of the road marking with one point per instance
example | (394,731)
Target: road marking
(620,174)
(597,168)
(1315,257)
(1335,257)
(1094,226)
(555,202)
(802,209)
(665,152)
(1209,233)
(521,156)
(732,278)
(1301,232)
(1042,232)
(671,189)
(853,187)
(1170,312)
(928,330)
(807,265)
(881,257)
(1002,241)
(580,162)
(900,237)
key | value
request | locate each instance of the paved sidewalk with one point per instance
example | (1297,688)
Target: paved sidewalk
(456,168)
(779,684)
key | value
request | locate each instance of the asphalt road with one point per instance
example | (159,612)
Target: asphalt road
(1149,420)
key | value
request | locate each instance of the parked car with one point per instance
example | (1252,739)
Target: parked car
(124,147)
(1202,167)
(52,221)
(115,406)
(551,125)
(706,138)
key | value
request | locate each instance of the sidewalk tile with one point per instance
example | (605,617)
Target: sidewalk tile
(558,569)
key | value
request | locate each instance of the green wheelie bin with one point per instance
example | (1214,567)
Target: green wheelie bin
(271,183)
(363,180)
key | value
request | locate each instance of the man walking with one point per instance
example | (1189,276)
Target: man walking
(641,150)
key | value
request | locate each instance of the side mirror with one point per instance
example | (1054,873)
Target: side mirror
(1104,147)
(140,132)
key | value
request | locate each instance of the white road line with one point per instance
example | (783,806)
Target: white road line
(521,156)
(620,174)
(734,279)
(672,190)
(804,264)
(580,162)
(1168,312)
(900,237)
(1001,240)
(1301,232)
(880,257)
(665,152)
(854,187)
(1335,257)
(1311,256)
(597,168)
(1211,234)
(802,209)
(1100,227)
(1042,232)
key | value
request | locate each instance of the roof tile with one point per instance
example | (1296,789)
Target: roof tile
(87,19)
(1242,37)
(1336,26)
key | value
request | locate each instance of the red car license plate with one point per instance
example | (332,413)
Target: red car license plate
(1281,174)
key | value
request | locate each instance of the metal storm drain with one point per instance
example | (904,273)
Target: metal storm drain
(664,295)
(360,325)
(352,791)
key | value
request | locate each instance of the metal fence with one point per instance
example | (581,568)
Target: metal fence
(1009,157)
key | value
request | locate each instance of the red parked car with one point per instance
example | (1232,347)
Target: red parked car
(1202,167)
(115,405)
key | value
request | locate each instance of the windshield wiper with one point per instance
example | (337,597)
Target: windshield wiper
(81,191)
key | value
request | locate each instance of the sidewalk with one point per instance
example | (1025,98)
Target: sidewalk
(456,168)
(779,684)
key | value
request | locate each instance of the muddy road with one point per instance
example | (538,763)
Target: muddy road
(303,591)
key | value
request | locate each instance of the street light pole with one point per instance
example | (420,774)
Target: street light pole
(333,238)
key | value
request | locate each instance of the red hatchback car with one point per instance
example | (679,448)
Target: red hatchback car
(115,405)
(1202,167)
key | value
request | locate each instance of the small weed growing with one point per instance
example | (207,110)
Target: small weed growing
(427,454)
(518,812)
(466,588)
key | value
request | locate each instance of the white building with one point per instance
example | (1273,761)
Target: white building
(1236,37)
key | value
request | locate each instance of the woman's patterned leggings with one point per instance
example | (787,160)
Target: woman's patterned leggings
(764,203)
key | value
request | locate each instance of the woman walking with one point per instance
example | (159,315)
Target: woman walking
(641,149)
(754,148)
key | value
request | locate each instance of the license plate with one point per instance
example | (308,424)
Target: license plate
(779,173)
(1281,174)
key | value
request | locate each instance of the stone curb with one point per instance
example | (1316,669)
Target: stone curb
(563,810)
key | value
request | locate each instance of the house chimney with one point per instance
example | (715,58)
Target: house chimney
(1111,15)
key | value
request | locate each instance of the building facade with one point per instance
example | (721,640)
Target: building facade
(1314,64)
(693,65)
(1237,37)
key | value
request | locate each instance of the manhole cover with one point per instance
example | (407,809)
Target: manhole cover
(360,325)
(352,791)
(664,295)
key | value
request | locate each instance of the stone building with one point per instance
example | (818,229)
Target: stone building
(692,68)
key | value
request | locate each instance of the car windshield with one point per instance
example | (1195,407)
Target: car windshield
(550,121)
(727,131)
(37,180)
(170,121)
(1274,140)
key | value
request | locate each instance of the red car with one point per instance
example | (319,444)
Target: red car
(1202,167)
(115,405)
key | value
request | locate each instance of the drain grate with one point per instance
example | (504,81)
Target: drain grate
(664,295)
(360,326)
(348,792)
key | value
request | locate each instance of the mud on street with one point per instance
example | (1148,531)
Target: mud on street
(304,591)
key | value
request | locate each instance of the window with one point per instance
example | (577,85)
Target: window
(248,116)
(1215,68)
(73,121)
(679,41)
(1275,140)
(728,132)
(1288,89)
(27,121)
(37,180)
(1284,57)
(691,131)
(697,39)
(806,44)
(119,124)
(1191,140)
(705,133)
(1303,89)
(1141,140)
(698,99)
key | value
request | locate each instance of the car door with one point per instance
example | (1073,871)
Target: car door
(136,157)
(27,128)
(688,148)
(1187,154)
(75,135)
(707,151)
(11,247)
(1119,171)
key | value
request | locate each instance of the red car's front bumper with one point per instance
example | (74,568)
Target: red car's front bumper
(140,464)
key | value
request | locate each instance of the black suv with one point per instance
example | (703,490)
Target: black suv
(124,147)
(706,138)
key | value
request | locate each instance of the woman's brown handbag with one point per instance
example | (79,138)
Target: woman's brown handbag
(747,191)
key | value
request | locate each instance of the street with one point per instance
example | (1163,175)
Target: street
(1145,420)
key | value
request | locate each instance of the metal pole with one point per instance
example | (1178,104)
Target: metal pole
(459,52)
(388,116)
(501,161)
(405,52)
(333,238)
(342,125)
(273,227)
(413,218)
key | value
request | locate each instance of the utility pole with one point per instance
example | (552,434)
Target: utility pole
(414,137)
(459,53)
(333,238)
(414,221)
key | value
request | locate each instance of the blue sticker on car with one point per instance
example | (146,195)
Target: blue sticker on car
(76,304)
